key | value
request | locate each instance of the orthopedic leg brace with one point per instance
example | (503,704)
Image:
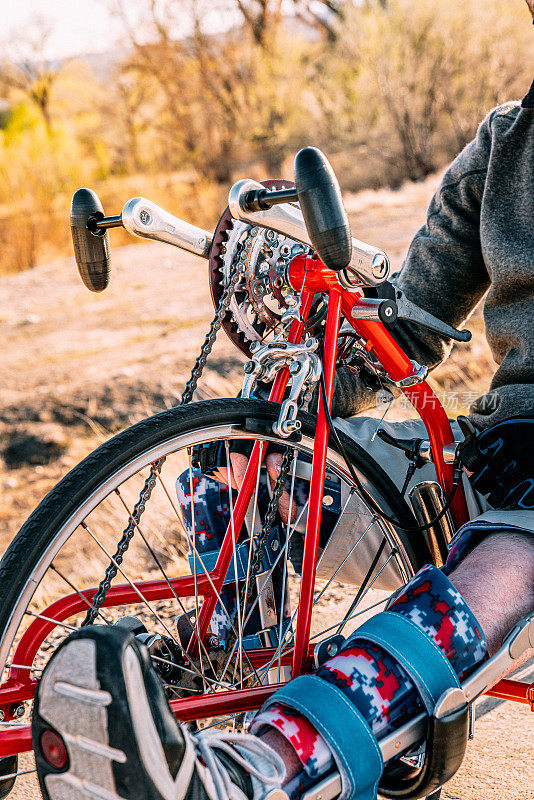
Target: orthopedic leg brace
(386,672)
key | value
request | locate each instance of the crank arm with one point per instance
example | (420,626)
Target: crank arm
(145,219)
(520,638)
(369,265)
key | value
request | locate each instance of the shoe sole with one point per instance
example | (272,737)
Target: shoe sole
(87,715)
(72,702)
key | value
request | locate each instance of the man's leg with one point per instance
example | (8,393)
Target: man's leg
(497,582)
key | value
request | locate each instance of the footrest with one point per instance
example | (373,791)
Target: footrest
(445,750)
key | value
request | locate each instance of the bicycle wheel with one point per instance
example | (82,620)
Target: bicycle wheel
(50,573)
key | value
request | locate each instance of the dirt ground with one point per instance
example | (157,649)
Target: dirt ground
(76,367)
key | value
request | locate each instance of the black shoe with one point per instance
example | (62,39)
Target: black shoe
(102,728)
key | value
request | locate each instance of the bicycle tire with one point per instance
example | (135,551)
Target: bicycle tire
(30,546)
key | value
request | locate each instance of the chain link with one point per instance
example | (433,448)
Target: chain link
(155,468)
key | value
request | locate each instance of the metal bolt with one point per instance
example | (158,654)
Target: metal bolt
(327,500)
(285,250)
(213,641)
(309,342)
(275,544)
(2,715)
(295,367)
(388,311)
(18,711)
(270,235)
(278,282)
(145,216)
(289,426)
(380,266)
(249,367)
(291,300)
(254,346)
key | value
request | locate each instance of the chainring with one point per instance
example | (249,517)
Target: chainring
(259,299)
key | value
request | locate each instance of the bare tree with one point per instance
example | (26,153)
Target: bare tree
(325,15)
(25,68)
(262,18)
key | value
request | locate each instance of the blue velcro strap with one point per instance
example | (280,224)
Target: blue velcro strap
(422,659)
(206,562)
(340,723)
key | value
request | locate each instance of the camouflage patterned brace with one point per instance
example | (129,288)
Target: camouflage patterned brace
(211,505)
(377,685)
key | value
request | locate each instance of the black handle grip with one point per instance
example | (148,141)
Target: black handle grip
(322,207)
(91,249)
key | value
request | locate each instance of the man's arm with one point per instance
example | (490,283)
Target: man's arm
(444,271)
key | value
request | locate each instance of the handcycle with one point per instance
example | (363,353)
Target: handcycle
(298,296)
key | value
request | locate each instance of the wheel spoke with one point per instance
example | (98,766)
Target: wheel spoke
(234,554)
(351,551)
(366,591)
(252,531)
(352,616)
(80,594)
(140,595)
(283,588)
(17,774)
(49,619)
(195,576)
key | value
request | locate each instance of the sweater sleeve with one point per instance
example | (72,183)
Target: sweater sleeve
(444,271)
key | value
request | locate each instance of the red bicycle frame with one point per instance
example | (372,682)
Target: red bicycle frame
(308,276)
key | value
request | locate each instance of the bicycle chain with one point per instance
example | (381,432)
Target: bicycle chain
(155,469)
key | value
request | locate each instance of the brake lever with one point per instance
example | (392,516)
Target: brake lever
(409,311)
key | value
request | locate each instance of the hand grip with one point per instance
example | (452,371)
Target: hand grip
(322,208)
(91,250)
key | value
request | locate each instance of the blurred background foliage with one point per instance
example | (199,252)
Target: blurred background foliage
(390,89)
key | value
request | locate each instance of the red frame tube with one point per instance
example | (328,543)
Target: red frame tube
(311,541)
(243,499)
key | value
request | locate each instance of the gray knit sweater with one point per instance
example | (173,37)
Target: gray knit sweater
(479,235)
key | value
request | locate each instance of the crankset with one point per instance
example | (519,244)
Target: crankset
(259,301)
